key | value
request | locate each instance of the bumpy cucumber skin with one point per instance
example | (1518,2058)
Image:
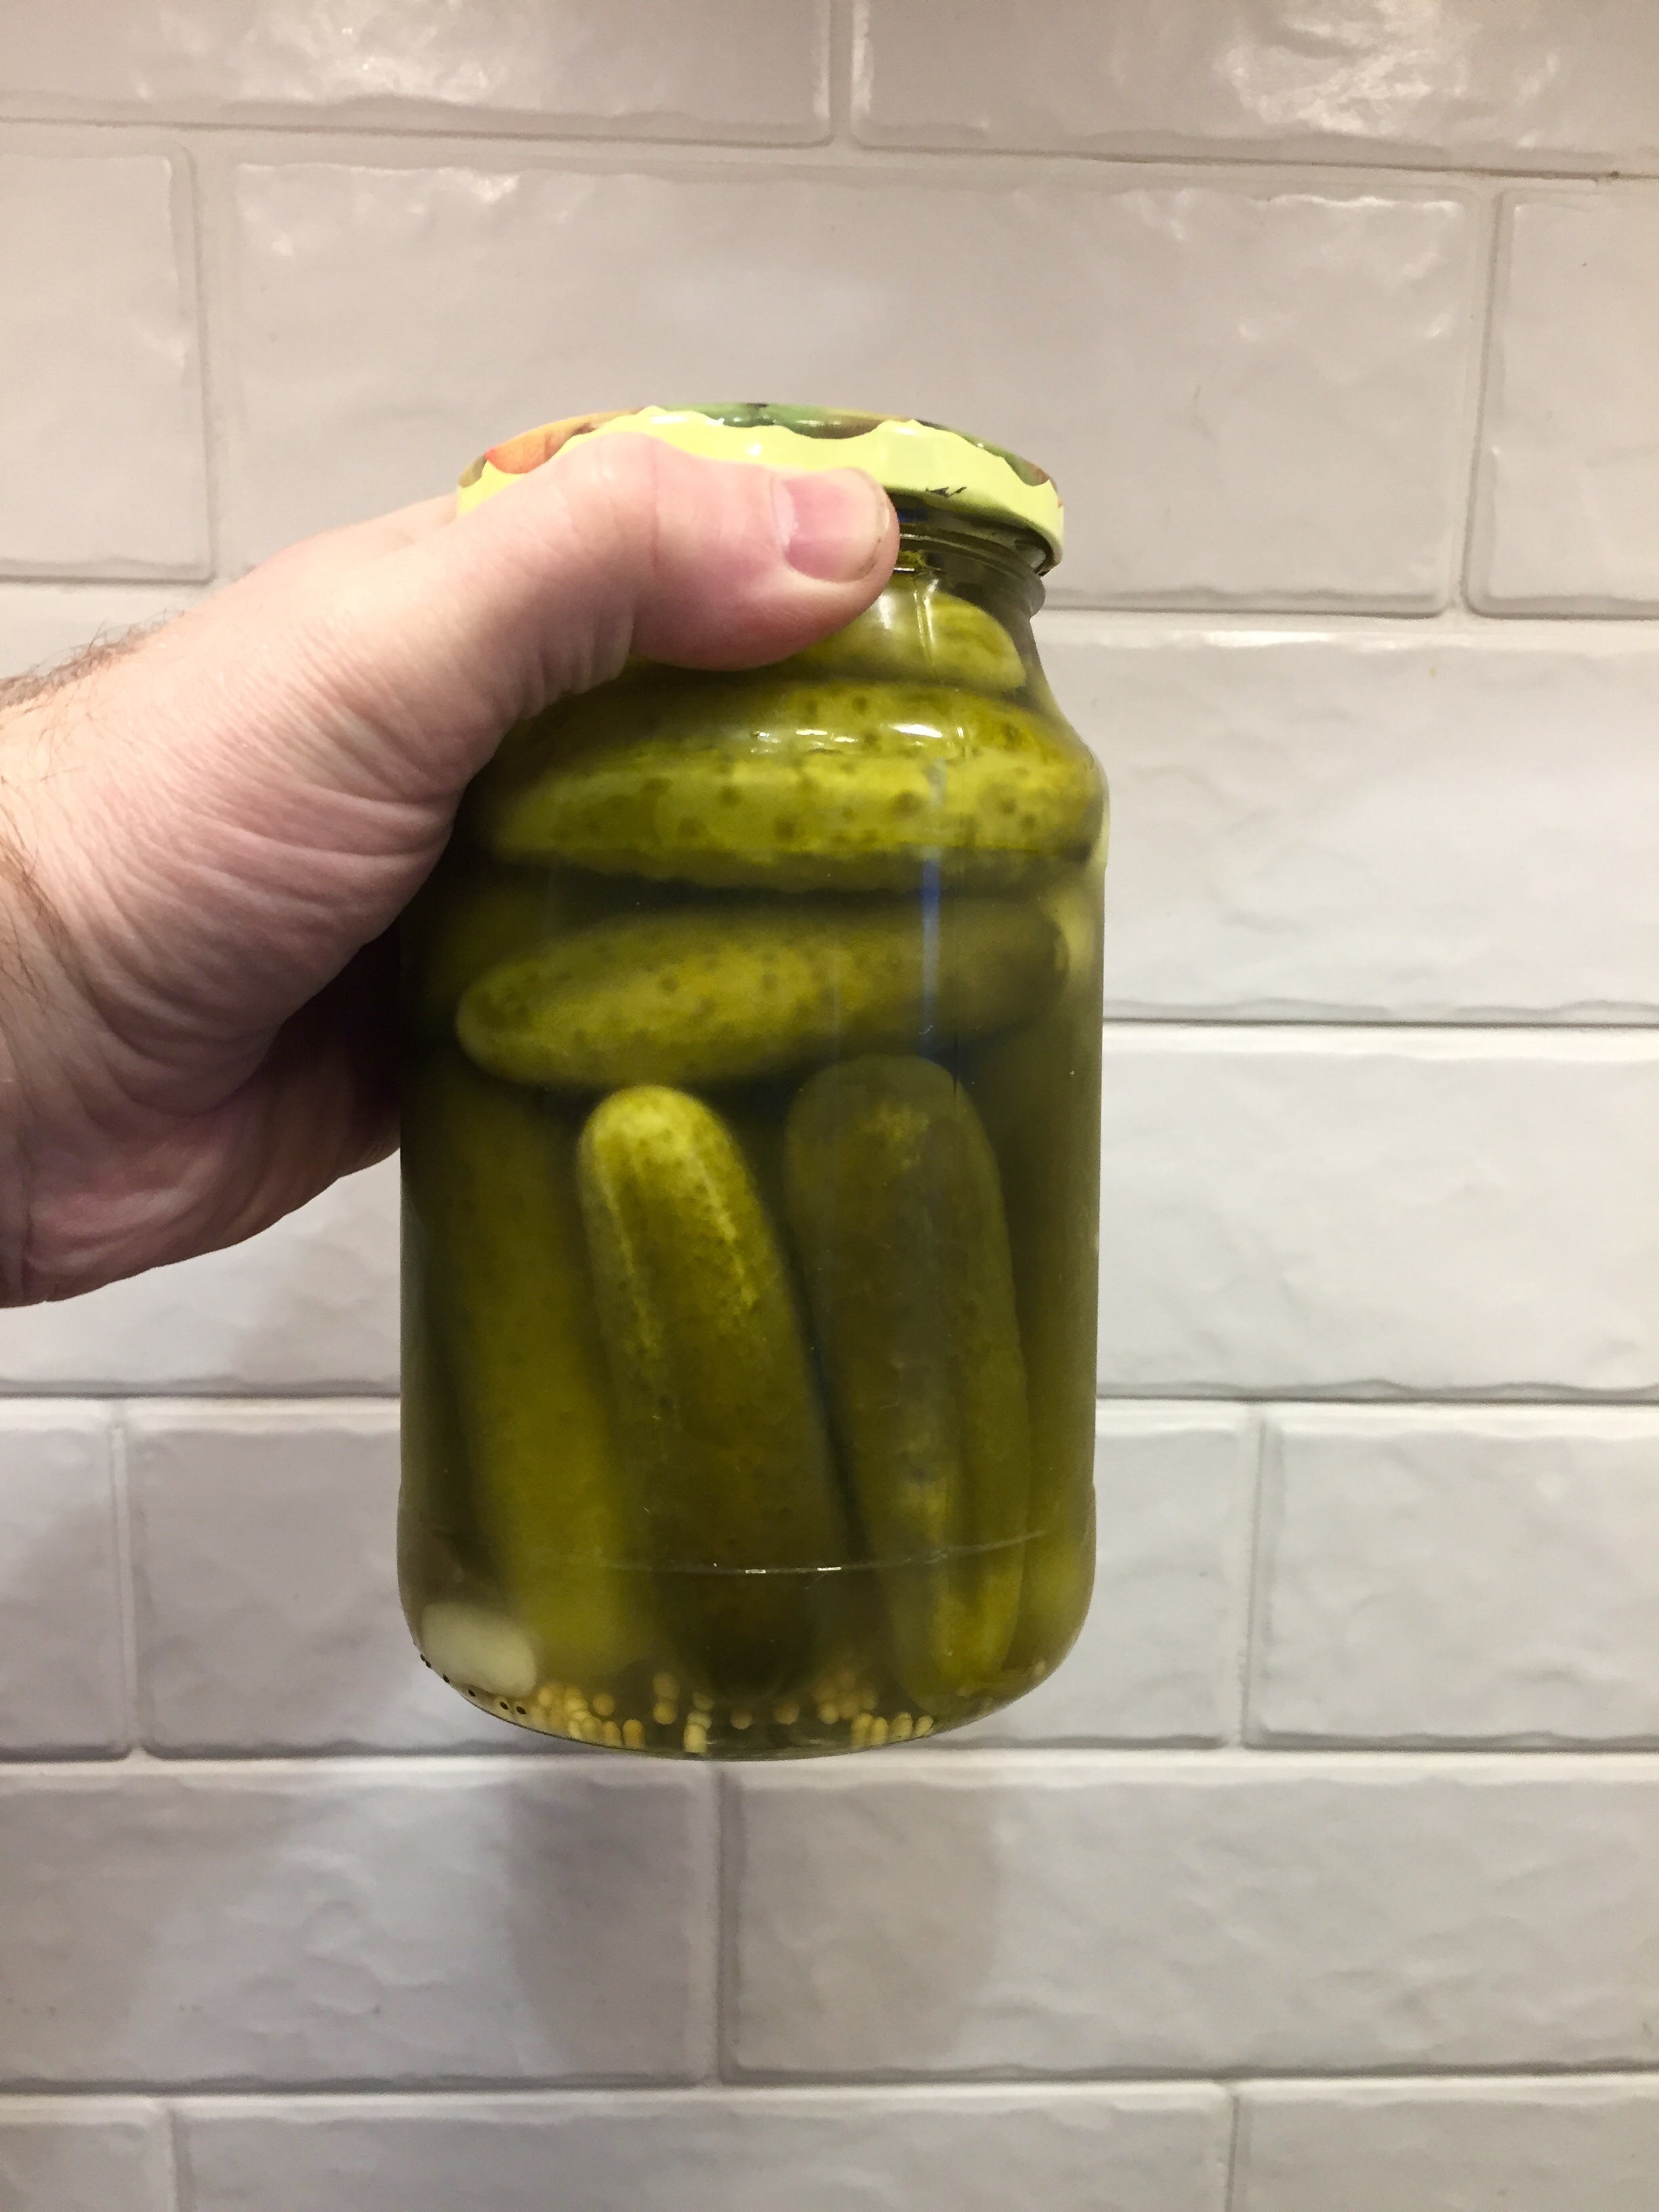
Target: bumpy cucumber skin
(464,922)
(470,915)
(776,783)
(917,631)
(730,992)
(1039,1096)
(722,1429)
(505,1311)
(896,1210)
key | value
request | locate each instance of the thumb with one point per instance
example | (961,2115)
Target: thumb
(619,545)
(296,747)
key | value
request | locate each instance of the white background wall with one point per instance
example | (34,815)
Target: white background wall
(1326,1879)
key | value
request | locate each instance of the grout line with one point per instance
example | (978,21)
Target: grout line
(229,1394)
(1241,2078)
(169,1401)
(193,583)
(1085,622)
(180,2183)
(1073,620)
(127,1595)
(725,1926)
(1634,1757)
(403,145)
(429,142)
(1249,1626)
(853,2089)
(944,1750)
(1304,1022)
(1195,606)
(843,52)
(1175,1397)
(1174,1393)
(1172,612)
(1263,1533)
(1344,165)
(203,202)
(1237,2152)
(1485,356)
(1478,1397)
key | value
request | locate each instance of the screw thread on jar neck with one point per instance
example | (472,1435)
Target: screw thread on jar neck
(990,562)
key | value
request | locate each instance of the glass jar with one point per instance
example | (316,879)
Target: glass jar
(751,1161)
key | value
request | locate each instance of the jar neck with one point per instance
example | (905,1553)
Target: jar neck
(990,561)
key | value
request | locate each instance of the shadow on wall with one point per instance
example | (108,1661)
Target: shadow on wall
(345,1922)
(474,1922)
(819,1980)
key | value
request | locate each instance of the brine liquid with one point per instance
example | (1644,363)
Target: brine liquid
(751,1201)
(812,1667)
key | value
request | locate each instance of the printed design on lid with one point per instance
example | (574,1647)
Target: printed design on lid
(517,457)
(913,457)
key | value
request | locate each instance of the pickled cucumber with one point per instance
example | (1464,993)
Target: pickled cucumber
(724,993)
(469,918)
(917,630)
(489,1178)
(721,1426)
(896,1211)
(439,1544)
(1041,1107)
(772,783)
(464,921)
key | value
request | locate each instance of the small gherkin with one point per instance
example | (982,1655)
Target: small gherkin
(774,782)
(897,1209)
(729,991)
(723,1435)
(507,1303)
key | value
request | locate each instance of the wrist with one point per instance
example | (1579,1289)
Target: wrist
(45,1024)
(23,936)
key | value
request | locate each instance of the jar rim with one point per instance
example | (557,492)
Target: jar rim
(941,469)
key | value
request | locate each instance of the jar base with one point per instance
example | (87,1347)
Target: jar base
(780,1664)
(667,1719)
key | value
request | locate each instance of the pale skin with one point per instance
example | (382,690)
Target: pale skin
(206,834)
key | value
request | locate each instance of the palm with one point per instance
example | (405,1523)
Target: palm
(216,829)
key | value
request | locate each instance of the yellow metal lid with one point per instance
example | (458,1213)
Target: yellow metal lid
(933,466)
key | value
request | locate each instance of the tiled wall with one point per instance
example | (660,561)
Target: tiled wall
(1322,1879)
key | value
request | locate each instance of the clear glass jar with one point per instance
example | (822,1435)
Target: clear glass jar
(750,1158)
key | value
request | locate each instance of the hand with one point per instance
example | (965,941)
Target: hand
(205,834)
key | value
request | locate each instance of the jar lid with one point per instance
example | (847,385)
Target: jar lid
(919,461)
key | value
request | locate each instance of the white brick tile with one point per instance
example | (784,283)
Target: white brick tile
(1551,83)
(91,2156)
(42,625)
(101,431)
(671,69)
(1254,388)
(61,1669)
(1158,1657)
(1524,2146)
(1384,820)
(1249,397)
(265,1566)
(1568,506)
(1363,1210)
(1191,1913)
(311,1304)
(1490,1576)
(1076,2150)
(473,1920)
